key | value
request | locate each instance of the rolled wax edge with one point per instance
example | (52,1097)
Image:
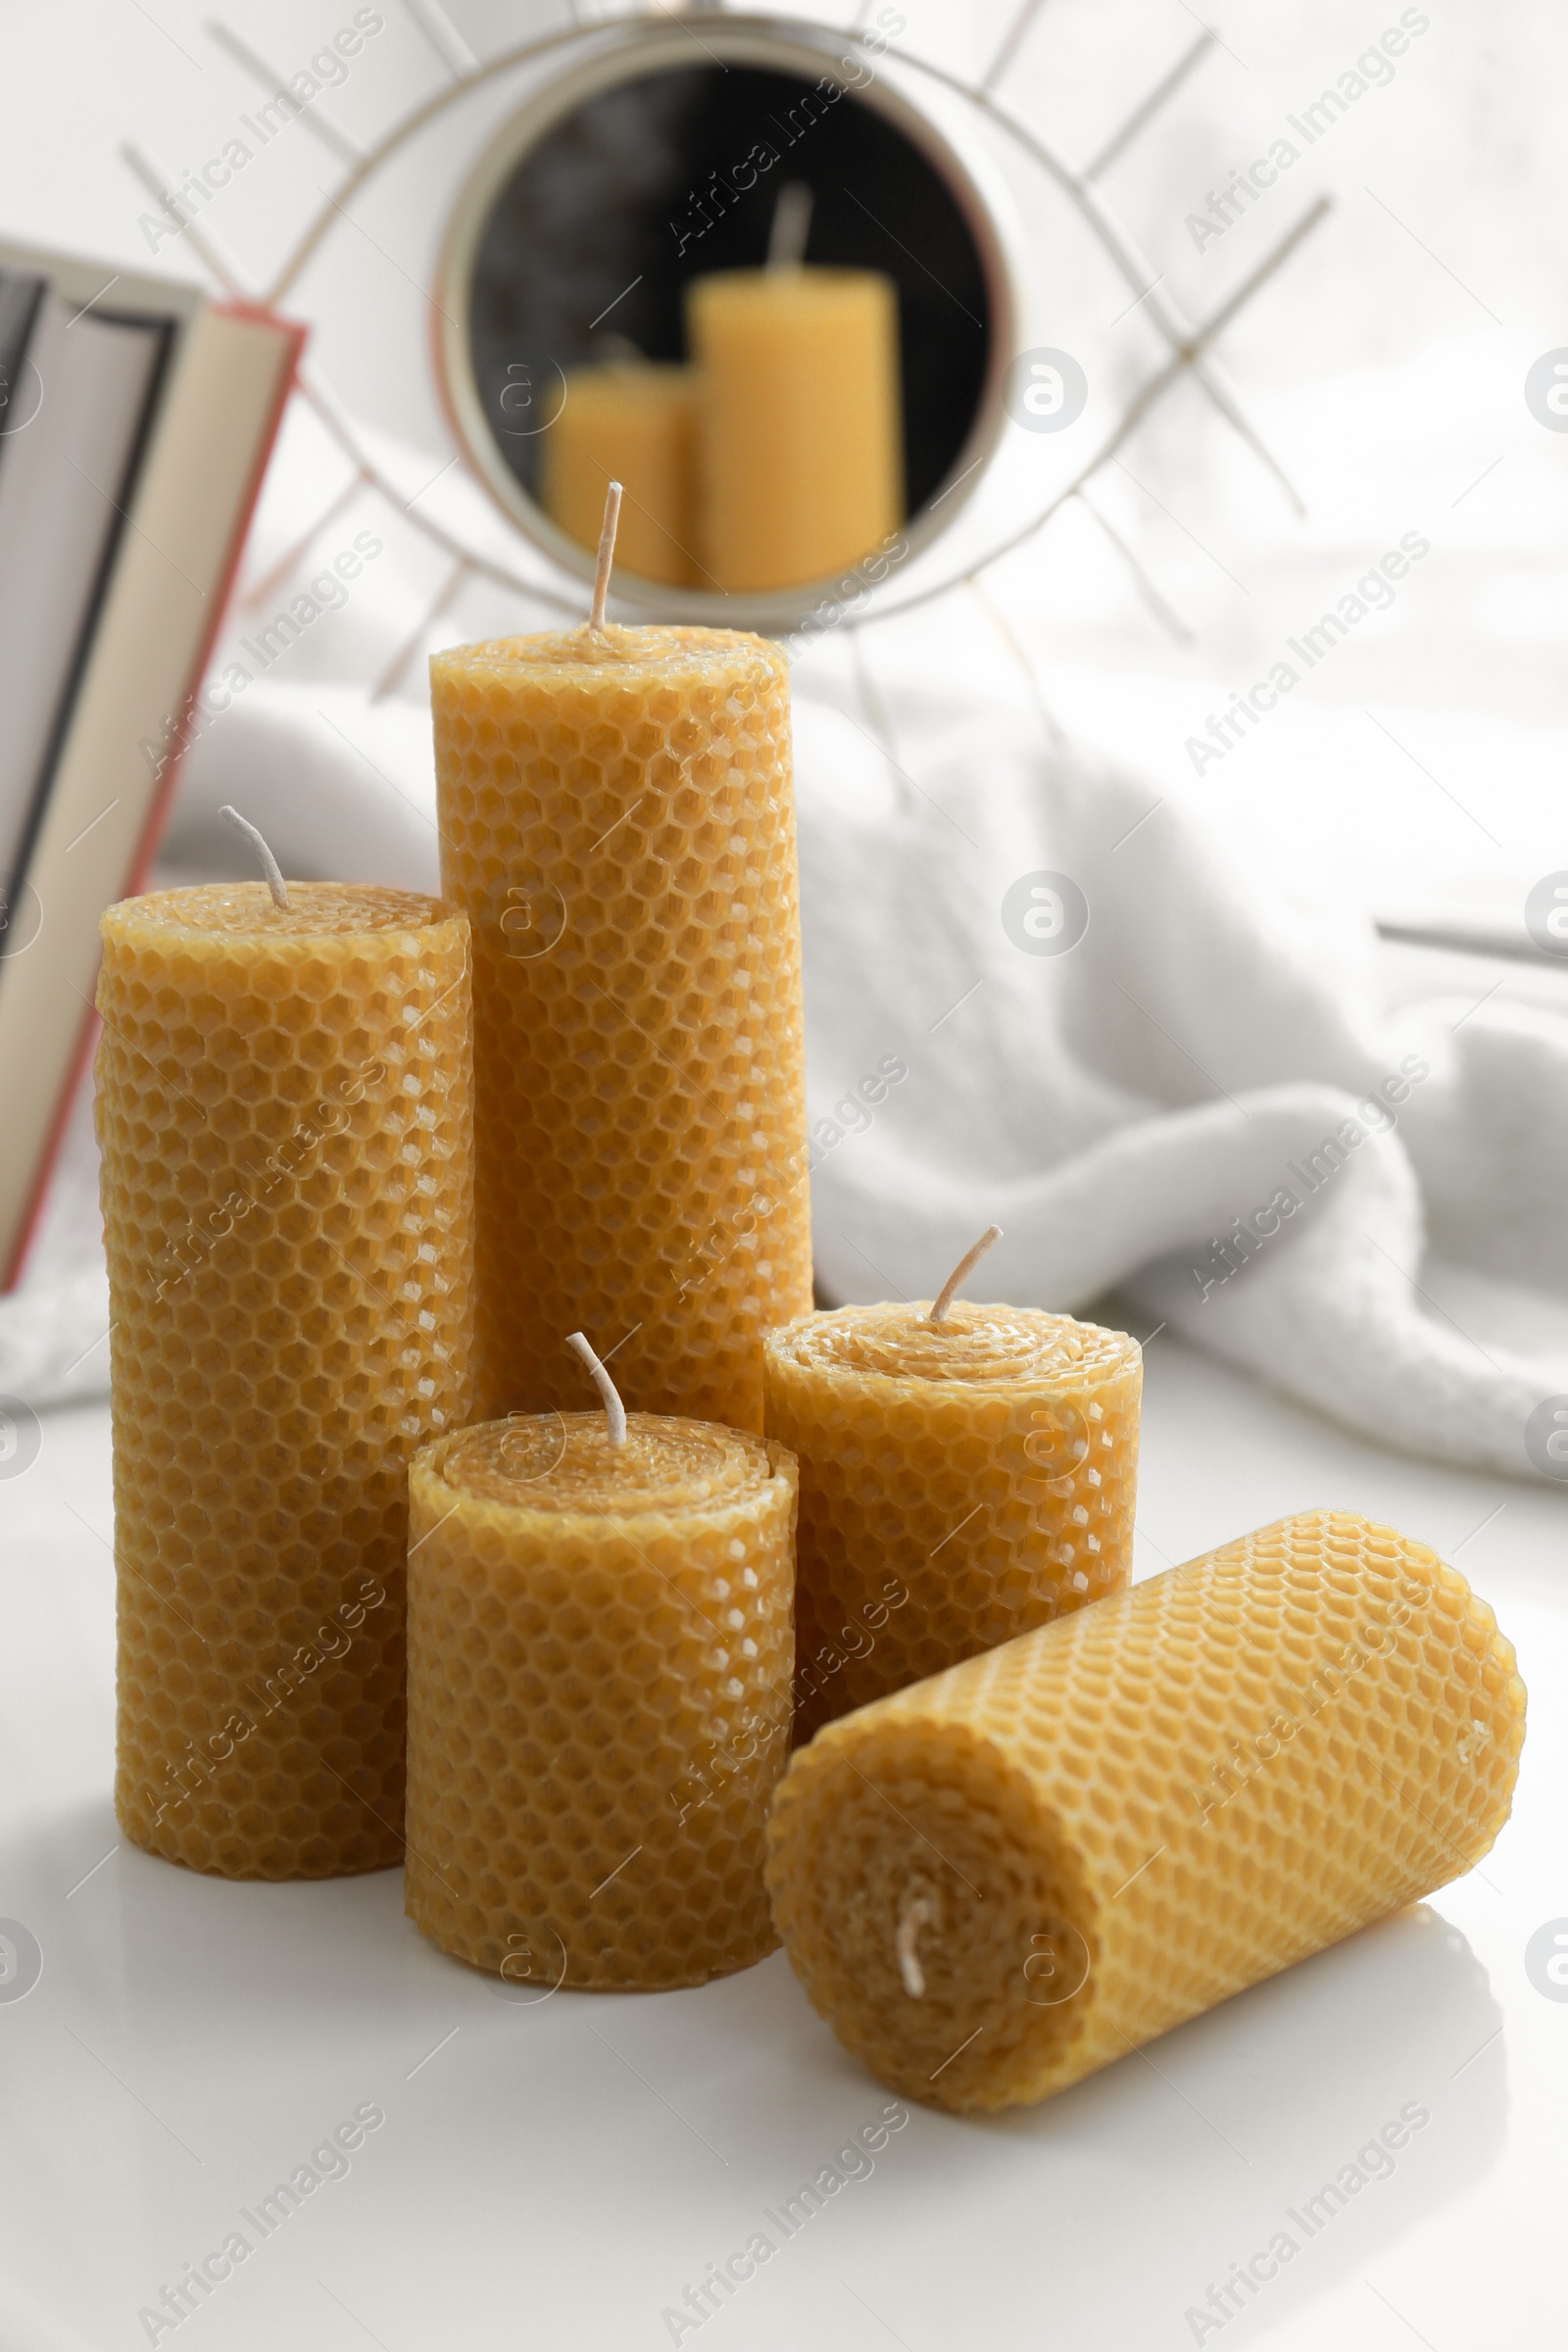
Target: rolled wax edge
(549,1524)
(143,928)
(1091,1377)
(1081,1908)
(722,648)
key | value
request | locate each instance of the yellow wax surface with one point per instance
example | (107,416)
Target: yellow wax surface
(800,447)
(960,1482)
(284,1112)
(617,820)
(1107,1825)
(633,423)
(599,1674)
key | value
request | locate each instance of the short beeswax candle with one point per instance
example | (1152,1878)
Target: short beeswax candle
(599,1674)
(961,1481)
(634,420)
(284,1110)
(617,821)
(800,463)
(1005,1878)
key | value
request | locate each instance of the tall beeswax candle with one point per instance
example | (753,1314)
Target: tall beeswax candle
(961,1481)
(617,821)
(1005,1878)
(800,464)
(634,421)
(599,1674)
(284,1110)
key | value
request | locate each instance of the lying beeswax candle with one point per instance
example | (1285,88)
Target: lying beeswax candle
(598,1672)
(284,1111)
(800,463)
(617,821)
(961,1481)
(999,1880)
(634,420)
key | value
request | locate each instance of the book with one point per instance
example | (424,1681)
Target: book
(130,457)
(65,471)
(21,292)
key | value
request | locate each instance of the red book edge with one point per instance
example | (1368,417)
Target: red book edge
(157,809)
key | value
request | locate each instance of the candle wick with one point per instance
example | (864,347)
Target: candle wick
(962,1271)
(792,226)
(614,1410)
(269,863)
(607,554)
(916,1915)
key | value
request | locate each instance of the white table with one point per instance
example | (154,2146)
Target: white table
(558,2172)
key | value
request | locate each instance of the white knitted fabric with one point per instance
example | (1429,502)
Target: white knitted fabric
(1207,1050)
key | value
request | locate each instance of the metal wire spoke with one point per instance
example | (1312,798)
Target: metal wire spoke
(1166,614)
(1142,115)
(276,87)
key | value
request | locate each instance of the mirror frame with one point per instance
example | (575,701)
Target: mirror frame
(631,50)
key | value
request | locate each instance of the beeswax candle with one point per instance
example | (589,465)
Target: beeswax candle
(634,420)
(1005,1878)
(961,1481)
(800,463)
(284,1110)
(617,822)
(599,1673)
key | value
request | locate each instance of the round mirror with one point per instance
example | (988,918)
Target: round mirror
(732,267)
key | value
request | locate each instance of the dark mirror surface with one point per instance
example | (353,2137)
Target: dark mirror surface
(590,244)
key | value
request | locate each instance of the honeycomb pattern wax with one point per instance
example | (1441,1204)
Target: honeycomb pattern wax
(599,1676)
(284,1110)
(1007,1876)
(800,460)
(617,822)
(960,1481)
